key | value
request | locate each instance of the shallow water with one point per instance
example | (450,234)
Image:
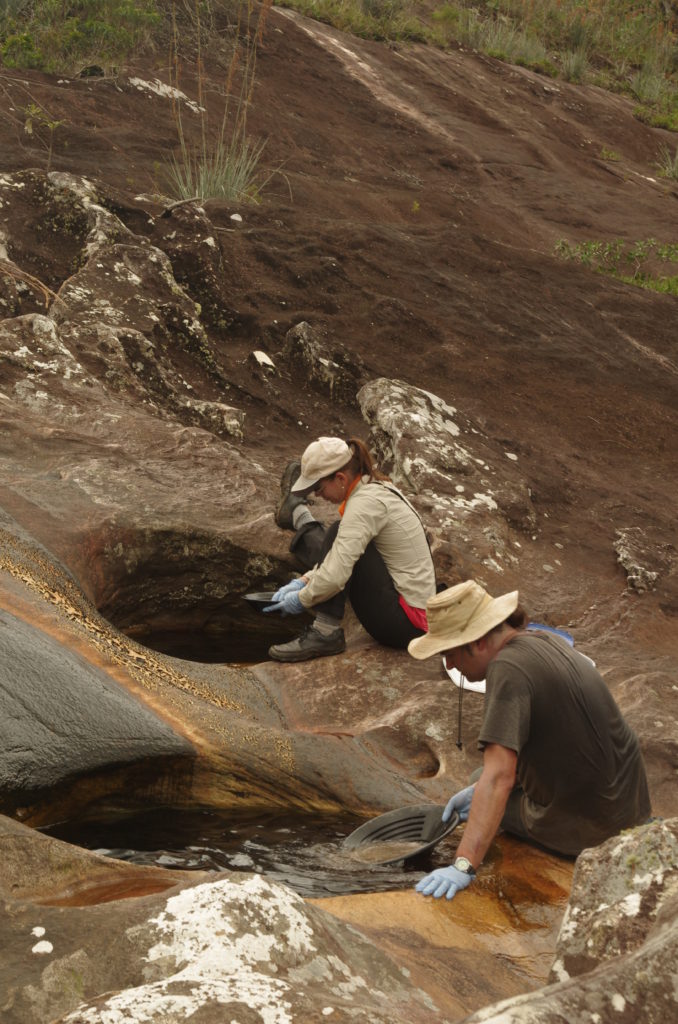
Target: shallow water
(304,853)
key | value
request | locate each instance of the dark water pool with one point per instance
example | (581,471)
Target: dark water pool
(239,646)
(302,852)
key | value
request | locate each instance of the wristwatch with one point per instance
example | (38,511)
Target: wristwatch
(464,864)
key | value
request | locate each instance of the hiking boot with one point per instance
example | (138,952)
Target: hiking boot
(288,501)
(311,644)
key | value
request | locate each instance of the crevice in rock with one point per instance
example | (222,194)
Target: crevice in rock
(182,593)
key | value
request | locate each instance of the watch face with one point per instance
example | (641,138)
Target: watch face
(463,864)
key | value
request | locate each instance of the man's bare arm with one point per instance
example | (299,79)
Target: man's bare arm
(490,797)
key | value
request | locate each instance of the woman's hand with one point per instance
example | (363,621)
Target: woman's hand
(289,588)
(289,605)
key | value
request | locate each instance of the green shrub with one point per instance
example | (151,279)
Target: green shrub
(638,263)
(54,36)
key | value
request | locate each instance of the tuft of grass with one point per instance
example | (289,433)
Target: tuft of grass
(225,164)
(227,169)
(648,84)
(497,36)
(667,165)
(574,65)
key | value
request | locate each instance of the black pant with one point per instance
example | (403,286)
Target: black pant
(370,587)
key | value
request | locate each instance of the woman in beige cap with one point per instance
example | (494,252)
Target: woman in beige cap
(376,553)
(560,764)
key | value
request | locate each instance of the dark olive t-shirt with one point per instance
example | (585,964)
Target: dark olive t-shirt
(579,763)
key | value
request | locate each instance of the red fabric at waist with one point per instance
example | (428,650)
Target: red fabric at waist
(417,616)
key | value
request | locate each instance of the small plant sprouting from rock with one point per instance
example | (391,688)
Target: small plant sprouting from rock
(38,123)
(632,262)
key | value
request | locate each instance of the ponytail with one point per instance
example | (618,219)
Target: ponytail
(361,463)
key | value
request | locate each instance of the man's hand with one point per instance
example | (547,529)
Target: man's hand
(444,882)
(461,803)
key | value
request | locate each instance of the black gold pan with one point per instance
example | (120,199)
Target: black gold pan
(399,835)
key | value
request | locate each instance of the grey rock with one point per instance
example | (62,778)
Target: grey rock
(643,564)
(447,463)
(332,373)
(236,947)
(61,717)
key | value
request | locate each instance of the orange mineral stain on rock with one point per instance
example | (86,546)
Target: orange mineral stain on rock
(90,895)
(495,939)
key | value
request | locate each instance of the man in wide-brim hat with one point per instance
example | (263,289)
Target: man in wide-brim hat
(561,766)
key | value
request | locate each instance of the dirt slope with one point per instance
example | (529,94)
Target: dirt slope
(412,221)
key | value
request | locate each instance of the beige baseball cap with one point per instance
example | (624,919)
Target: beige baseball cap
(322,458)
(459,615)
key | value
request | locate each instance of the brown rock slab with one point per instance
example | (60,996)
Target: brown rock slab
(494,939)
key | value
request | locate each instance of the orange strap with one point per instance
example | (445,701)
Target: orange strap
(342,507)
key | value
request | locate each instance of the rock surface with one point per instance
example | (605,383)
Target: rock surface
(618,944)
(61,717)
(235,944)
(159,364)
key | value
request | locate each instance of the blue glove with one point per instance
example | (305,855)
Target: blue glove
(289,588)
(444,882)
(290,605)
(460,802)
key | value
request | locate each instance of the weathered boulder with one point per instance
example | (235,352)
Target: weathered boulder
(335,373)
(643,563)
(621,894)
(468,487)
(62,717)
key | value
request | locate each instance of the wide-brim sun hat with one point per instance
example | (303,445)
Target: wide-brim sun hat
(322,458)
(459,615)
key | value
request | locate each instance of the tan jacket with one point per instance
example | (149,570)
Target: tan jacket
(374,512)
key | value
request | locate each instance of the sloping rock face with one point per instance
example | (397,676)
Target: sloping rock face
(158,366)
